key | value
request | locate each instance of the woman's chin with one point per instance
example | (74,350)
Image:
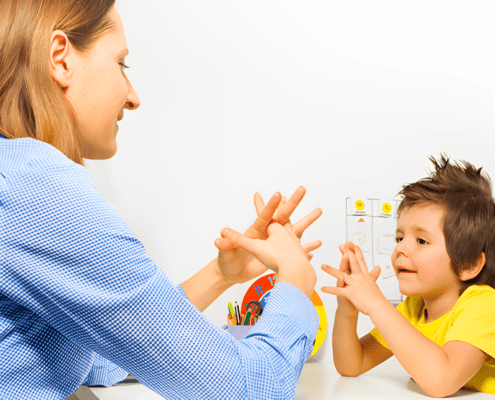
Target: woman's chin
(101,153)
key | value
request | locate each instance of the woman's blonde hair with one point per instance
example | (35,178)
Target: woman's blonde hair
(32,104)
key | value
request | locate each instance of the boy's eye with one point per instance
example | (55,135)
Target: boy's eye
(398,239)
(422,241)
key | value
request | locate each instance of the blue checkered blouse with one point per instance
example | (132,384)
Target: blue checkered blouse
(82,303)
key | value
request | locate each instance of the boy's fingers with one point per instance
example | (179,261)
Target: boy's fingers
(300,226)
(344,263)
(353,262)
(346,246)
(335,273)
(340,278)
(375,272)
(310,256)
(359,256)
(350,245)
(332,290)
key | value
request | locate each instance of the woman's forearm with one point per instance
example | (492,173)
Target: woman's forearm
(204,287)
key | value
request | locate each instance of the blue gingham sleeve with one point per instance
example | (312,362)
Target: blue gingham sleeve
(69,258)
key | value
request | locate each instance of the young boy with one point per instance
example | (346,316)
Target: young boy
(443,334)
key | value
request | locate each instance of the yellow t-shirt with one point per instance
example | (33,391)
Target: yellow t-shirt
(471,320)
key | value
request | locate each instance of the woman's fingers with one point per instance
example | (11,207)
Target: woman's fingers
(300,226)
(266,214)
(233,236)
(238,240)
(311,246)
(224,244)
(284,212)
(259,204)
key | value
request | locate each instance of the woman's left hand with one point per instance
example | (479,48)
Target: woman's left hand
(239,266)
(359,287)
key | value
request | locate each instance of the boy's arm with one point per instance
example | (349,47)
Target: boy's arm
(353,356)
(444,371)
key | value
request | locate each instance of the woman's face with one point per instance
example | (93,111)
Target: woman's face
(99,91)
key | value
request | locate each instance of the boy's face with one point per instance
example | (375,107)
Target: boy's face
(420,259)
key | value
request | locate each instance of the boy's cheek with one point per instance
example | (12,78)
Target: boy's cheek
(394,258)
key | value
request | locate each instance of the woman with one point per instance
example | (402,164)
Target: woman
(80,301)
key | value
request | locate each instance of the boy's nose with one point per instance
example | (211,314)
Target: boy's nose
(400,248)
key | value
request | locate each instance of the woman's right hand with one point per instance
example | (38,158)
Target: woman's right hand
(238,265)
(281,251)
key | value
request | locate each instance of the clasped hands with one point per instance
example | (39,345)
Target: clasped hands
(269,231)
(356,288)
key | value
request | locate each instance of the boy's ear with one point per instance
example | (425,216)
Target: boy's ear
(473,272)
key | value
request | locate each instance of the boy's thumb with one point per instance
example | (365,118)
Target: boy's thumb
(375,272)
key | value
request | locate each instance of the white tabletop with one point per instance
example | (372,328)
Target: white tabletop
(319,380)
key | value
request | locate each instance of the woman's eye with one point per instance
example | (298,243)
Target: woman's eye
(123,66)
(422,241)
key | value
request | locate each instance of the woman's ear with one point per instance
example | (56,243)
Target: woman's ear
(59,58)
(473,272)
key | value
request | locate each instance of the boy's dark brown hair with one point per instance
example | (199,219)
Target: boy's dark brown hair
(465,194)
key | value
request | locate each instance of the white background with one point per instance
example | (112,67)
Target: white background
(347,98)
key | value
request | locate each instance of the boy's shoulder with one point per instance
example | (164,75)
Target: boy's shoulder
(475,297)
(479,296)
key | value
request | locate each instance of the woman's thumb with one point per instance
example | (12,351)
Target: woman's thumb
(233,236)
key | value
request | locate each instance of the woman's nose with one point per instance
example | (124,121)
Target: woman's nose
(133,101)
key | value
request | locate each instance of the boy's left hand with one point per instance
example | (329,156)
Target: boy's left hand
(359,286)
